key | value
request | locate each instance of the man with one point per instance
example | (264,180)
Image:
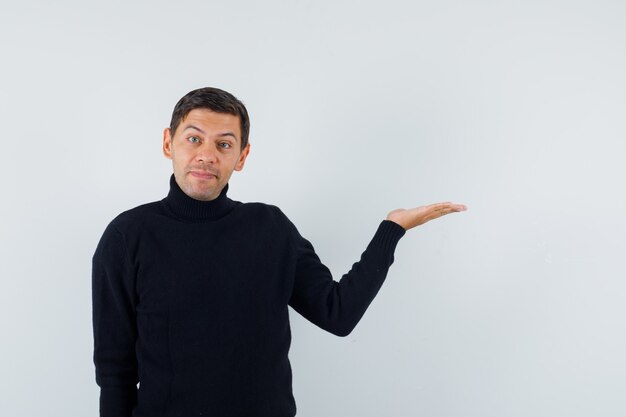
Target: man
(190,293)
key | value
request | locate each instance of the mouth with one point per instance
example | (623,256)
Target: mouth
(207,175)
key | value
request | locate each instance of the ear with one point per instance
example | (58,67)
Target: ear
(167,143)
(242,158)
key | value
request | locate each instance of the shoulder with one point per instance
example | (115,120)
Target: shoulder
(125,225)
(133,218)
(263,213)
(263,209)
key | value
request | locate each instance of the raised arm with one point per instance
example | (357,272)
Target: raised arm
(337,307)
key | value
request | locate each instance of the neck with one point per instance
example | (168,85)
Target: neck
(190,209)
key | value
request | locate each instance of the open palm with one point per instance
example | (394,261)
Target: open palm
(409,218)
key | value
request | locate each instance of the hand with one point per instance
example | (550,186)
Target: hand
(409,218)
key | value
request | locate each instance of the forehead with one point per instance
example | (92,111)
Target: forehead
(212,122)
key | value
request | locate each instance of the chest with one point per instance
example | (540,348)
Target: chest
(188,267)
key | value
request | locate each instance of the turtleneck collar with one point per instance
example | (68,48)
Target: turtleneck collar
(187,208)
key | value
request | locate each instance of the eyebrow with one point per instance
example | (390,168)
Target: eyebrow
(204,133)
(196,128)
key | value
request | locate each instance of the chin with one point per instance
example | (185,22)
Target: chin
(201,194)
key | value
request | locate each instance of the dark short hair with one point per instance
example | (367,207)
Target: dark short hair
(214,99)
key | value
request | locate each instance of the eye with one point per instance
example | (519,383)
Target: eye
(225,145)
(193,139)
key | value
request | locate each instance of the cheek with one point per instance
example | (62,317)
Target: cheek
(181,157)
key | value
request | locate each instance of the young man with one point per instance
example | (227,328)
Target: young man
(191,293)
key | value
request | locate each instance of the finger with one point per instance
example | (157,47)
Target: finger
(430,212)
(442,209)
(448,206)
(454,208)
(424,214)
(437,206)
(434,213)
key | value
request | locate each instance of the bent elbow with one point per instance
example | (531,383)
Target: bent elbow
(341,329)
(343,332)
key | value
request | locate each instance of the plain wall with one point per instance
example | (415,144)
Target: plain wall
(513,308)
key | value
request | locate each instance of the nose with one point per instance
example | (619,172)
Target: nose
(206,154)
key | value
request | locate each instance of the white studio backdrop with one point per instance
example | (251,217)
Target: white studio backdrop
(513,308)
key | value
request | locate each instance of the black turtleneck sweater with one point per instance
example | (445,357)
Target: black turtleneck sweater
(190,301)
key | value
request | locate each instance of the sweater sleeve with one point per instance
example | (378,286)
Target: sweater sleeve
(114,326)
(335,306)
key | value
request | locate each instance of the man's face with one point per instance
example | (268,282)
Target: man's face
(205,150)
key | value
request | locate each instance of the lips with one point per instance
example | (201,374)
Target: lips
(207,175)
